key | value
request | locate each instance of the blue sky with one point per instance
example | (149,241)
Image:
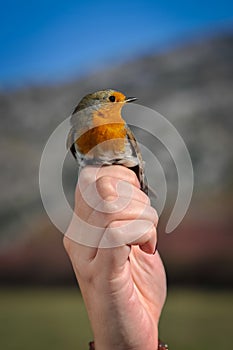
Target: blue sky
(49,41)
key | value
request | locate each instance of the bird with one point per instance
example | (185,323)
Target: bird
(100,136)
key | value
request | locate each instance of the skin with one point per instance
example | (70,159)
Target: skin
(123,287)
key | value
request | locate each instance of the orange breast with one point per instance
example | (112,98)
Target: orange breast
(101,133)
(107,125)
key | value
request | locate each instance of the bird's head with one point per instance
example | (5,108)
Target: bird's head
(104,99)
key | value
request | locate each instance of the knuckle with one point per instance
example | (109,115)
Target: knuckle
(148,235)
(105,187)
(113,234)
(156,217)
(66,244)
(153,214)
(132,178)
(110,205)
(113,225)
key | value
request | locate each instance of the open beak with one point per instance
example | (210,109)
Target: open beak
(130,99)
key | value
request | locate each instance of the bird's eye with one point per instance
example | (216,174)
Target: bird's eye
(112,98)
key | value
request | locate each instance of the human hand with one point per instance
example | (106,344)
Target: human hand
(122,282)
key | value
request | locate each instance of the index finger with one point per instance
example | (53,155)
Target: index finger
(90,174)
(88,178)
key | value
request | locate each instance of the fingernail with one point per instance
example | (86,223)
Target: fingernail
(156,246)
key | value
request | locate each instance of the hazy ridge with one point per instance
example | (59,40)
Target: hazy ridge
(192,86)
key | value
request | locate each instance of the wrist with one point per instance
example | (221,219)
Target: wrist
(161,346)
(121,340)
(117,338)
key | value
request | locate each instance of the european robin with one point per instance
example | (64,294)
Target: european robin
(100,136)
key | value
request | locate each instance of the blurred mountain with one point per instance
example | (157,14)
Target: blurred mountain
(192,86)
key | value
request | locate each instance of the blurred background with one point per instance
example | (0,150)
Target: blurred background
(177,58)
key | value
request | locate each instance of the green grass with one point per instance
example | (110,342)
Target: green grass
(43,320)
(198,320)
(56,320)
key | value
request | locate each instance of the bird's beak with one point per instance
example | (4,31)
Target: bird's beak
(130,99)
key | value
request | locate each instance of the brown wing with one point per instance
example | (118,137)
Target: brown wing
(70,142)
(138,169)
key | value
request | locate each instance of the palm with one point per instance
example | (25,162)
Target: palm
(124,287)
(149,278)
(142,302)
